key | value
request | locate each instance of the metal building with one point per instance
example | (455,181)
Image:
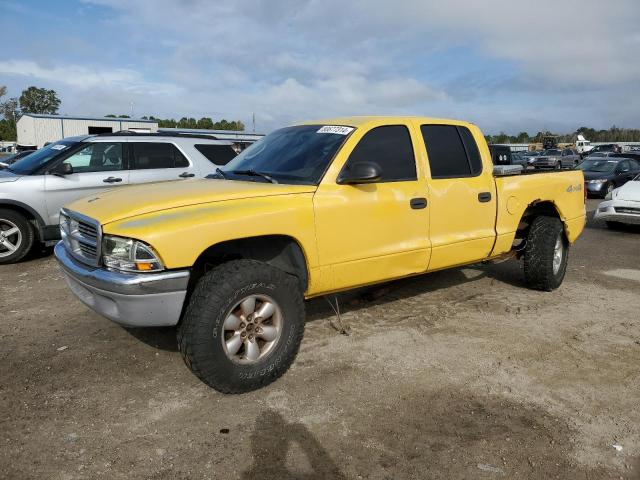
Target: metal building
(35,130)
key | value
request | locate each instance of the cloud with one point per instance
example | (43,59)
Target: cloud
(503,64)
(85,78)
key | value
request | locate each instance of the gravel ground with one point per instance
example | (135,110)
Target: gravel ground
(458,374)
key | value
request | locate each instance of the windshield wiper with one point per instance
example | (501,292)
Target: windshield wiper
(253,173)
(221,173)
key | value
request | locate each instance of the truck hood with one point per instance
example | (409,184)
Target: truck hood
(7,176)
(126,202)
(629,191)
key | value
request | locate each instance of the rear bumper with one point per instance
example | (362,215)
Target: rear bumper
(135,300)
(618,211)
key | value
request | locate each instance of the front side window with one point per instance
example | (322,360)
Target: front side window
(97,157)
(452,151)
(148,155)
(391,149)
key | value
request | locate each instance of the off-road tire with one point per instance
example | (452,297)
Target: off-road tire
(201,329)
(26,231)
(539,253)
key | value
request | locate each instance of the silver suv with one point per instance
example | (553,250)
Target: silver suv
(33,190)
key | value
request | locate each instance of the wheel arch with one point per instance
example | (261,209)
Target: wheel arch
(29,213)
(281,251)
(537,208)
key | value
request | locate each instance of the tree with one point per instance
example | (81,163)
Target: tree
(39,100)
(9,110)
(205,123)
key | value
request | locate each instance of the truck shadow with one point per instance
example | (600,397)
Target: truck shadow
(271,441)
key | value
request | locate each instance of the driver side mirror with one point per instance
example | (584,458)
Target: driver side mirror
(360,172)
(62,169)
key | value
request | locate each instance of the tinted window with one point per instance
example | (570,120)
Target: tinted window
(446,152)
(390,147)
(97,157)
(157,155)
(217,154)
(472,150)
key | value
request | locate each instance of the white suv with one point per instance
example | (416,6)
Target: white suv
(33,190)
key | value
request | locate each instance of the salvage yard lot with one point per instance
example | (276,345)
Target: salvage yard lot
(459,374)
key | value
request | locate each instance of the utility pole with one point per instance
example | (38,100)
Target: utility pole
(254,122)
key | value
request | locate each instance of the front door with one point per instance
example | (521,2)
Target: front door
(374,231)
(98,166)
(463,197)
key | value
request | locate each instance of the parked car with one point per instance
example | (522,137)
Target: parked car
(517,158)
(609,147)
(557,159)
(11,159)
(309,210)
(621,205)
(602,175)
(33,189)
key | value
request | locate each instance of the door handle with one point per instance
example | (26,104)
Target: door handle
(484,197)
(187,175)
(418,203)
(112,180)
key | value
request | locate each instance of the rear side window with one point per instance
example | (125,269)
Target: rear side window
(390,147)
(452,151)
(217,154)
(156,155)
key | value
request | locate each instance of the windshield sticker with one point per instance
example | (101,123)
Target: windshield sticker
(58,147)
(338,130)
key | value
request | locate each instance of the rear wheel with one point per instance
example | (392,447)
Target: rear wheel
(546,254)
(243,326)
(16,236)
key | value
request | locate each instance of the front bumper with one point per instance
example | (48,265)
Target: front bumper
(623,211)
(134,300)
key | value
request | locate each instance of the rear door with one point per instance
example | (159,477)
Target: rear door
(158,161)
(96,167)
(462,196)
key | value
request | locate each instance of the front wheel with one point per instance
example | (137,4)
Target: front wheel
(243,326)
(546,254)
(16,236)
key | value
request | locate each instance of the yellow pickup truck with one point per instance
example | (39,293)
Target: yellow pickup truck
(311,209)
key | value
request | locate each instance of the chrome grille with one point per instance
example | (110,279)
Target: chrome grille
(81,236)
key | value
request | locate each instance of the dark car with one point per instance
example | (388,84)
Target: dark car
(557,159)
(10,159)
(602,175)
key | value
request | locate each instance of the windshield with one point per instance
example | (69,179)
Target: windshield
(552,152)
(39,158)
(597,155)
(298,155)
(593,165)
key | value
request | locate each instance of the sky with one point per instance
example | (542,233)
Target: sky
(505,65)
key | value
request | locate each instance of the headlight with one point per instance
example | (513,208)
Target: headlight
(597,181)
(128,255)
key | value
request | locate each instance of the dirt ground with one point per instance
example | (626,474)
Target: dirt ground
(459,374)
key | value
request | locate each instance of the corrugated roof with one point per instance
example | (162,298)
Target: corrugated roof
(101,119)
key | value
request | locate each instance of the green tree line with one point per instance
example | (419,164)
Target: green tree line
(206,123)
(613,134)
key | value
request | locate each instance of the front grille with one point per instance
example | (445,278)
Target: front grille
(81,236)
(629,210)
